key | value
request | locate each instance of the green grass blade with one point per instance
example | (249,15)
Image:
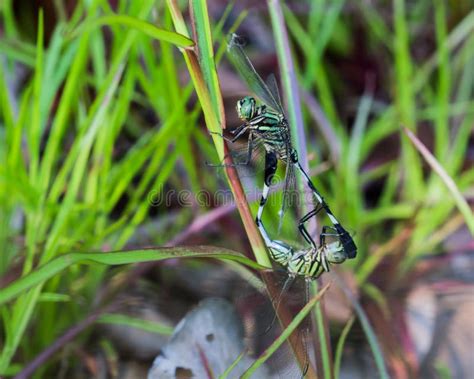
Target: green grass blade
(34,128)
(322,334)
(137,24)
(206,54)
(83,150)
(125,320)
(340,347)
(21,314)
(461,203)
(291,91)
(214,124)
(369,332)
(320,75)
(18,51)
(323,34)
(443,90)
(62,115)
(456,37)
(376,23)
(6,113)
(353,160)
(405,98)
(229,369)
(290,85)
(54,297)
(63,262)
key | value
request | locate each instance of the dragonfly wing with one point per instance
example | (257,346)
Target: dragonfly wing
(289,195)
(292,297)
(273,87)
(240,151)
(249,74)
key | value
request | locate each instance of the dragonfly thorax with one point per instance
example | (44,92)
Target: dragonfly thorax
(247,108)
(306,263)
(281,252)
(309,263)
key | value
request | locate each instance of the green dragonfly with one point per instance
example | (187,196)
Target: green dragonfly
(308,264)
(268,127)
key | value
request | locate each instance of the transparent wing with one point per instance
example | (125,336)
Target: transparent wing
(250,167)
(290,196)
(293,296)
(241,156)
(273,87)
(247,72)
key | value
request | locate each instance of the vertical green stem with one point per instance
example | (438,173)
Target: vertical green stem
(405,99)
(290,88)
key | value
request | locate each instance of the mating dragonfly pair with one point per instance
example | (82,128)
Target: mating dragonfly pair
(268,130)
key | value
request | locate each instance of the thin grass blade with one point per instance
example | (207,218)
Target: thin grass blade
(63,262)
(461,203)
(140,25)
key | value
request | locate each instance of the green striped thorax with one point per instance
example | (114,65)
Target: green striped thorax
(269,126)
(310,263)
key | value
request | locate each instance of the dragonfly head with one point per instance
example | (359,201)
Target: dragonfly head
(246,108)
(334,252)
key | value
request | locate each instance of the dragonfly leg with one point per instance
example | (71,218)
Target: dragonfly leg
(237,133)
(320,257)
(347,242)
(324,233)
(317,195)
(249,152)
(243,163)
(302,228)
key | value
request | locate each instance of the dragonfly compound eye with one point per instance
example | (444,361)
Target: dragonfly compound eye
(246,108)
(335,253)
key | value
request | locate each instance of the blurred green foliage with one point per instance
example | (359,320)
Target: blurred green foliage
(97,112)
